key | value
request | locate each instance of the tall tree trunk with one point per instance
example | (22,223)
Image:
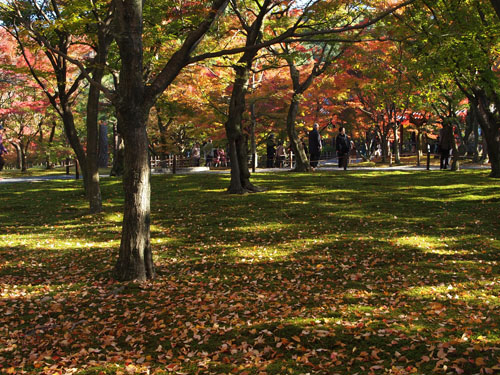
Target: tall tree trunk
(92,165)
(301,162)
(135,261)
(397,156)
(475,157)
(237,139)
(253,142)
(133,102)
(455,155)
(18,155)
(490,126)
(117,168)
(419,147)
(385,147)
(48,150)
(24,155)
(493,142)
(74,141)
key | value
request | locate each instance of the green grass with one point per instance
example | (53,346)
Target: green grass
(325,273)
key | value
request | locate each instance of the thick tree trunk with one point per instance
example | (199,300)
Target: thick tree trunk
(135,260)
(240,174)
(493,141)
(490,125)
(301,161)
(103,154)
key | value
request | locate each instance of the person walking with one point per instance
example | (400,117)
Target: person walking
(209,153)
(280,155)
(315,145)
(270,151)
(445,145)
(196,155)
(343,146)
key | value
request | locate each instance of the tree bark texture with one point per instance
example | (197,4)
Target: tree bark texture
(92,165)
(133,103)
(301,161)
(135,261)
(237,139)
(490,124)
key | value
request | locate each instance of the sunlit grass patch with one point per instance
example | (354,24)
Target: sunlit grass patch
(321,273)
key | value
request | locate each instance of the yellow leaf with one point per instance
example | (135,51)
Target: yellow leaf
(480,361)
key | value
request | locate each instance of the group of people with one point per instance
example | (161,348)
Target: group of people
(213,156)
(342,145)
(276,154)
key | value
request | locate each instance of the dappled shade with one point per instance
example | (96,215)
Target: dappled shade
(364,272)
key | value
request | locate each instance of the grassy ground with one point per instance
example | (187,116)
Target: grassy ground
(42,171)
(325,273)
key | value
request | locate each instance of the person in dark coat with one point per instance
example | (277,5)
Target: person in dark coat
(343,145)
(315,145)
(270,151)
(445,145)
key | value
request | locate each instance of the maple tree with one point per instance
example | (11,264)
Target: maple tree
(467,57)
(50,29)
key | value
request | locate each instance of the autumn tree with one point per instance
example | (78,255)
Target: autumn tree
(50,28)
(457,40)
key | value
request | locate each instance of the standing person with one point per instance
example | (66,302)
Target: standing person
(196,155)
(270,151)
(343,145)
(280,155)
(315,145)
(209,153)
(3,150)
(445,145)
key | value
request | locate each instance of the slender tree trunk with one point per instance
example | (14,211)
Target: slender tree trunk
(385,148)
(253,143)
(301,162)
(92,165)
(48,152)
(419,147)
(475,157)
(18,155)
(397,156)
(455,154)
(74,141)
